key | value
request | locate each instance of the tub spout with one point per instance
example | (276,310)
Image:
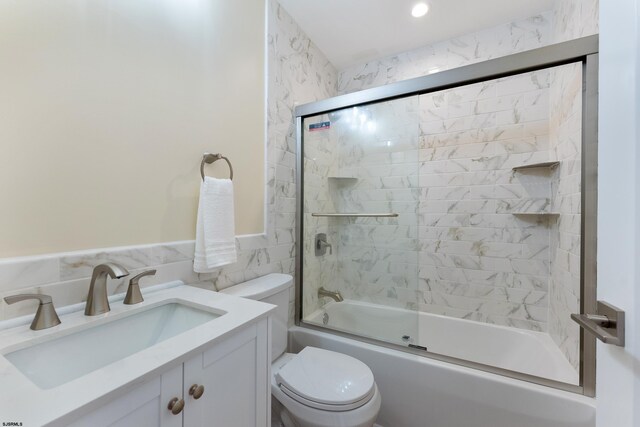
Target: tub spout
(322,292)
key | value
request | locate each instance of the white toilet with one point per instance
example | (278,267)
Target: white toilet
(316,387)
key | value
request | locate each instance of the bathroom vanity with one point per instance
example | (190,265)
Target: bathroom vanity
(183,357)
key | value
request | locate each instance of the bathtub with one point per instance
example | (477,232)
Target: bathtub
(518,350)
(423,392)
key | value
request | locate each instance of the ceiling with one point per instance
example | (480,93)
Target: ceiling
(351,32)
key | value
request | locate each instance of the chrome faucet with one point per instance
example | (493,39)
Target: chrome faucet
(97,301)
(322,292)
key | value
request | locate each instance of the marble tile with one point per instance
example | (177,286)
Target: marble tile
(81,264)
(178,251)
(298,73)
(526,34)
(456,248)
(566,104)
(75,291)
(574,19)
(498,125)
(17,273)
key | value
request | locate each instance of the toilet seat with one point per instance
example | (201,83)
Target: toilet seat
(324,406)
(326,380)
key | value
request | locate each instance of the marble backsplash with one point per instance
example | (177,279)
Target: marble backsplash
(66,276)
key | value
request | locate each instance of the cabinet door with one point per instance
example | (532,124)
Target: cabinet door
(145,406)
(236,376)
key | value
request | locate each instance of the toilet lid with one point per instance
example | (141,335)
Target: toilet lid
(327,378)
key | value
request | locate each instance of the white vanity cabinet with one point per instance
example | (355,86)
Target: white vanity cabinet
(236,389)
(226,385)
(142,407)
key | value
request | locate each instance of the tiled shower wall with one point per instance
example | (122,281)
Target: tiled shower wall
(298,73)
(443,162)
(378,147)
(569,19)
(572,19)
(495,42)
(478,260)
(393,260)
(320,155)
(505,279)
(566,146)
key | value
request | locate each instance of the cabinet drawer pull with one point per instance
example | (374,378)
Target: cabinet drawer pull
(176,405)
(196,391)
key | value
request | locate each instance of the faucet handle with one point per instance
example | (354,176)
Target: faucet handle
(46,316)
(135,279)
(322,245)
(134,296)
(44,299)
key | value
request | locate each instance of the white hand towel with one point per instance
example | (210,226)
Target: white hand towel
(215,228)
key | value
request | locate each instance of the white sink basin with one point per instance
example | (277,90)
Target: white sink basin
(60,360)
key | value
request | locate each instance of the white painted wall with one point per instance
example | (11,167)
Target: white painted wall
(106,110)
(618,375)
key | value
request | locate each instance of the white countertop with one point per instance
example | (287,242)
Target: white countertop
(23,402)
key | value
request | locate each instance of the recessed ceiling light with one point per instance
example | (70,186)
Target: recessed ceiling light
(419,10)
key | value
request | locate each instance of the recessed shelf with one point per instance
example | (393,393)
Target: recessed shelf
(536,213)
(544,165)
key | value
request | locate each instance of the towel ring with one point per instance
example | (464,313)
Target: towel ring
(209,158)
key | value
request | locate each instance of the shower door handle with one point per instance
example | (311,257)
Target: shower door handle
(607,325)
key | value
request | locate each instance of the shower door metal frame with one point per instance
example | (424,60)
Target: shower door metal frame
(584,51)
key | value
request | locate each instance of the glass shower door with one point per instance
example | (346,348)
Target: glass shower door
(455,213)
(500,217)
(360,220)
(450,221)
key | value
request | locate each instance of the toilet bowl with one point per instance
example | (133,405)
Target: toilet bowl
(313,396)
(316,387)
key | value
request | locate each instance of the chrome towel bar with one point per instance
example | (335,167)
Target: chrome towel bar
(209,158)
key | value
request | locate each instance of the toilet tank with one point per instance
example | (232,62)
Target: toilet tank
(272,289)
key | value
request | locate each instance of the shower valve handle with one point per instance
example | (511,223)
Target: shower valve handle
(322,245)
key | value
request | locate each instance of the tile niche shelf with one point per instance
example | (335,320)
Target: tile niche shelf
(343,178)
(544,165)
(536,213)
